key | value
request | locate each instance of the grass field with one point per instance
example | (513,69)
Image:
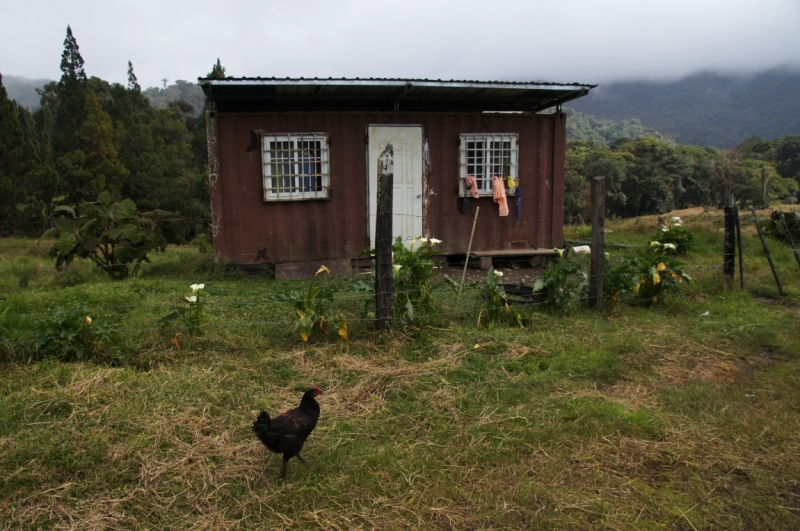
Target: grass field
(638,418)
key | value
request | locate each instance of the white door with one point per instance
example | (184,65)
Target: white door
(407,202)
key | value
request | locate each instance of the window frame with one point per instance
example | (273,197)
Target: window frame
(468,159)
(296,185)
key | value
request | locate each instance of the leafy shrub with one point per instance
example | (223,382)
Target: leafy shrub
(774,227)
(413,268)
(70,335)
(313,308)
(562,285)
(660,273)
(497,307)
(676,234)
(190,314)
(113,235)
(619,283)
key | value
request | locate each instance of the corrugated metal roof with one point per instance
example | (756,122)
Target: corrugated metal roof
(255,93)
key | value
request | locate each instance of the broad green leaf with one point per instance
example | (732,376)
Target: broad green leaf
(127,207)
(538,284)
(66,243)
(64,208)
(50,232)
(168,319)
(410,309)
(126,232)
(305,325)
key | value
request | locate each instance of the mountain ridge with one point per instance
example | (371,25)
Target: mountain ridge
(705,109)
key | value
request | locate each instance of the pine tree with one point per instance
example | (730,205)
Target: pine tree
(133,84)
(217,71)
(69,115)
(26,183)
(94,165)
(14,161)
(71,60)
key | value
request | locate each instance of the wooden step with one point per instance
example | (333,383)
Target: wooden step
(483,259)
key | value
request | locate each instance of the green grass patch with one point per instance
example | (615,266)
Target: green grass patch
(638,418)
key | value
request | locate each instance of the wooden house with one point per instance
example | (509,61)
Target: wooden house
(292,166)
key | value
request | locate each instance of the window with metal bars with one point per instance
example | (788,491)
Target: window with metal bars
(484,155)
(295,167)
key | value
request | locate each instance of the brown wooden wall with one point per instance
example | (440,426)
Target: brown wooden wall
(248,230)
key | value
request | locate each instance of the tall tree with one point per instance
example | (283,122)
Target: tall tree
(94,165)
(133,84)
(71,60)
(27,184)
(69,115)
(217,71)
(15,159)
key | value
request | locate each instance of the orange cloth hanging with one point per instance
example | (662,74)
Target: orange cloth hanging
(472,186)
(500,195)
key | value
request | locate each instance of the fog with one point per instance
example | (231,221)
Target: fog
(545,40)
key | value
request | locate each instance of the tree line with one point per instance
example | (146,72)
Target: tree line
(89,137)
(652,175)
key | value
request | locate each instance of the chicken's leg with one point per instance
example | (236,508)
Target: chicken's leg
(300,457)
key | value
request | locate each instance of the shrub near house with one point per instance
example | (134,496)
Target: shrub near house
(111,234)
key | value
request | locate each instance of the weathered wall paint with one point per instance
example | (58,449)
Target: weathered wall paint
(247,229)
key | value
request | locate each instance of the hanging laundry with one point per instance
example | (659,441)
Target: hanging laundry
(500,195)
(472,186)
(518,203)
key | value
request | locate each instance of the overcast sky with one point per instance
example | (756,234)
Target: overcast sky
(586,41)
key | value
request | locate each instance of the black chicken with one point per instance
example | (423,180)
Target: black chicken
(287,433)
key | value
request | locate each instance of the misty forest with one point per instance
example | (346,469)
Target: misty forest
(88,137)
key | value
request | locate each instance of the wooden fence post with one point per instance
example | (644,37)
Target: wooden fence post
(769,256)
(383,240)
(741,249)
(729,241)
(789,237)
(597,268)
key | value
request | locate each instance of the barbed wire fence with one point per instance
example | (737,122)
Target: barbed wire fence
(19,329)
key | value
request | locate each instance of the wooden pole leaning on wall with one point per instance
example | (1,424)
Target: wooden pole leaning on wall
(729,240)
(769,256)
(469,250)
(597,268)
(789,237)
(383,240)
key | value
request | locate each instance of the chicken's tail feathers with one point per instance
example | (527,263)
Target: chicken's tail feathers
(263,423)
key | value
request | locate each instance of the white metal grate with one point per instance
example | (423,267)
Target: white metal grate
(484,155)
(295,166)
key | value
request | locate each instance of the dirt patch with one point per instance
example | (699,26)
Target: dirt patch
(510,275)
